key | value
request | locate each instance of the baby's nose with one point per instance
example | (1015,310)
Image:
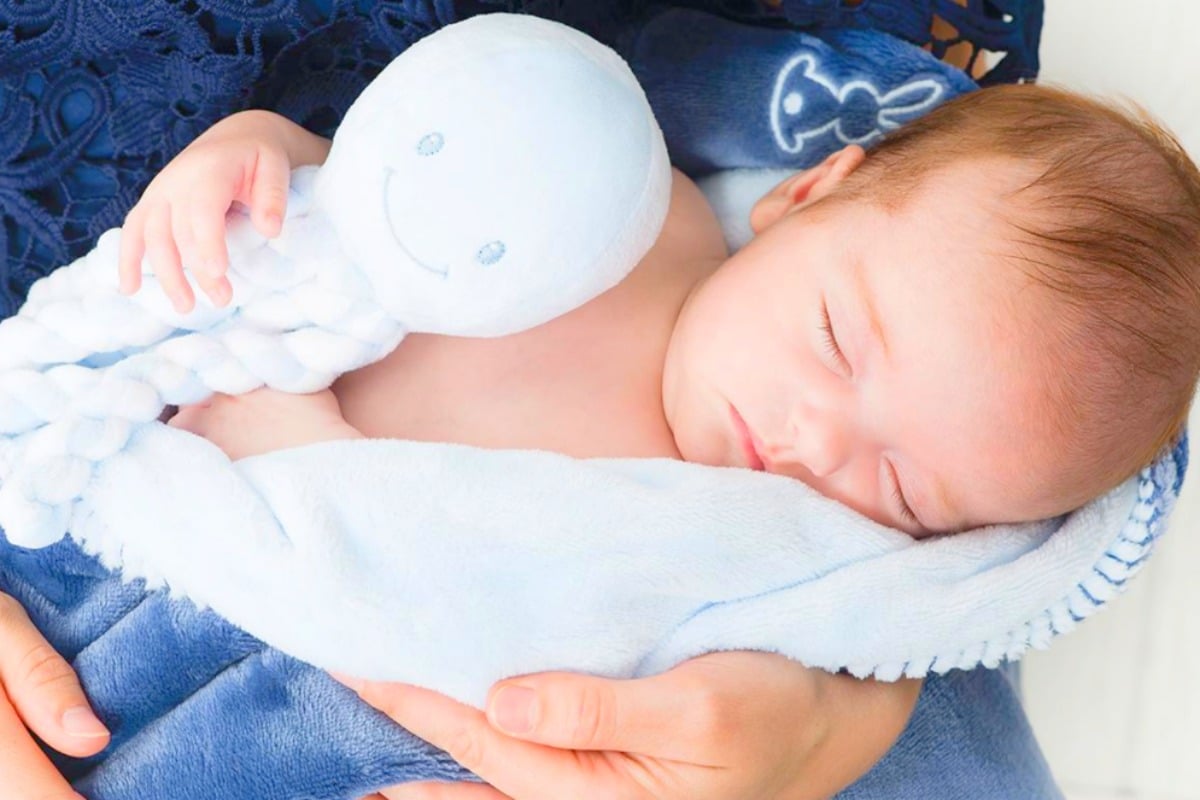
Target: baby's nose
(819,443)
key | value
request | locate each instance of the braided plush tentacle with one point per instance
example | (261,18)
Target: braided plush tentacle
(95,411)
(379,241)
(85,366)
(75,313)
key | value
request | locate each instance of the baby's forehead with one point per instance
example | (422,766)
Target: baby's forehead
(973,187)
(1004,448)
(930,179)
(966,333)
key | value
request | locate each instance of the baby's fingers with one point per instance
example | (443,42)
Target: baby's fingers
(185,240)
(268,191)
(129,259)
(164,257)
(206,255)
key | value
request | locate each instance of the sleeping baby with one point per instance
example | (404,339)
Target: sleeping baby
(994,316)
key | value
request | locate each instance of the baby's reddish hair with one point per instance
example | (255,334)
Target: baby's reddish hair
(1109,226)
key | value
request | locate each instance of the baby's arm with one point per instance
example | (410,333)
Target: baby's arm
(180,220)
(265,420)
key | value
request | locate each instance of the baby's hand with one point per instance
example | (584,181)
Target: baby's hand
(265,420)
(180,220)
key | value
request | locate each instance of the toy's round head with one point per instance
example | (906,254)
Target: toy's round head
(500,172)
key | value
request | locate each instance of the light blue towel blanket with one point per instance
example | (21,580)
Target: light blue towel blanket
(443,565)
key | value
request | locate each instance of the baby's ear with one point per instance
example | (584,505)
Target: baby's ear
(805,187)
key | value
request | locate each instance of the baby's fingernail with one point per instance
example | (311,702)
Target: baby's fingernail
(222,293)
(80,721)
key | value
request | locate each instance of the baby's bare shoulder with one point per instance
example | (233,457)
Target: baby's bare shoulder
(691,233)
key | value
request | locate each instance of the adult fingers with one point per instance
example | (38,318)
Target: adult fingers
(268,191)
(520,769)
(164,257)
(24,769)
(433,790)
(43,687)
(656,716)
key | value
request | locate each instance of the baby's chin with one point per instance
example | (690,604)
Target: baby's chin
(696,443)
(694,451)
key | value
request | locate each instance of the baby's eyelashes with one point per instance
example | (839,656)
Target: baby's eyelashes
(832,348)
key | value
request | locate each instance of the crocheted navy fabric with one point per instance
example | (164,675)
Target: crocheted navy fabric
(97,95)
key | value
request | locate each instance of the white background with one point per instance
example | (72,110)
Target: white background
(1116,704)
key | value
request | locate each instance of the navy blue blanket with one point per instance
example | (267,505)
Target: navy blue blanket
(198,709)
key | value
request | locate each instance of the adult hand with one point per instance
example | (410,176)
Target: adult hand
(39,691)
(726,725)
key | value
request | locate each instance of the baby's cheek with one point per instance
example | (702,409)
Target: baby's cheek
(857,486)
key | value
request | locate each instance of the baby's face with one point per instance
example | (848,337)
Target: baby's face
(877,356)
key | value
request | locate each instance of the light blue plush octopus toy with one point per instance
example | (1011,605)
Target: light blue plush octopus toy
(472,190)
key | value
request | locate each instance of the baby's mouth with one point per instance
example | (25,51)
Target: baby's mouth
(747,441)
(443,270)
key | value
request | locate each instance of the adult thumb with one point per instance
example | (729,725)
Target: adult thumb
(43,688)
(583,712)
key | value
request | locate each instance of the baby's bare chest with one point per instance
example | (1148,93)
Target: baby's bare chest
(586,384)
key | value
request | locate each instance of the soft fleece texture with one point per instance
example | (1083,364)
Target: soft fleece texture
(792,98)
